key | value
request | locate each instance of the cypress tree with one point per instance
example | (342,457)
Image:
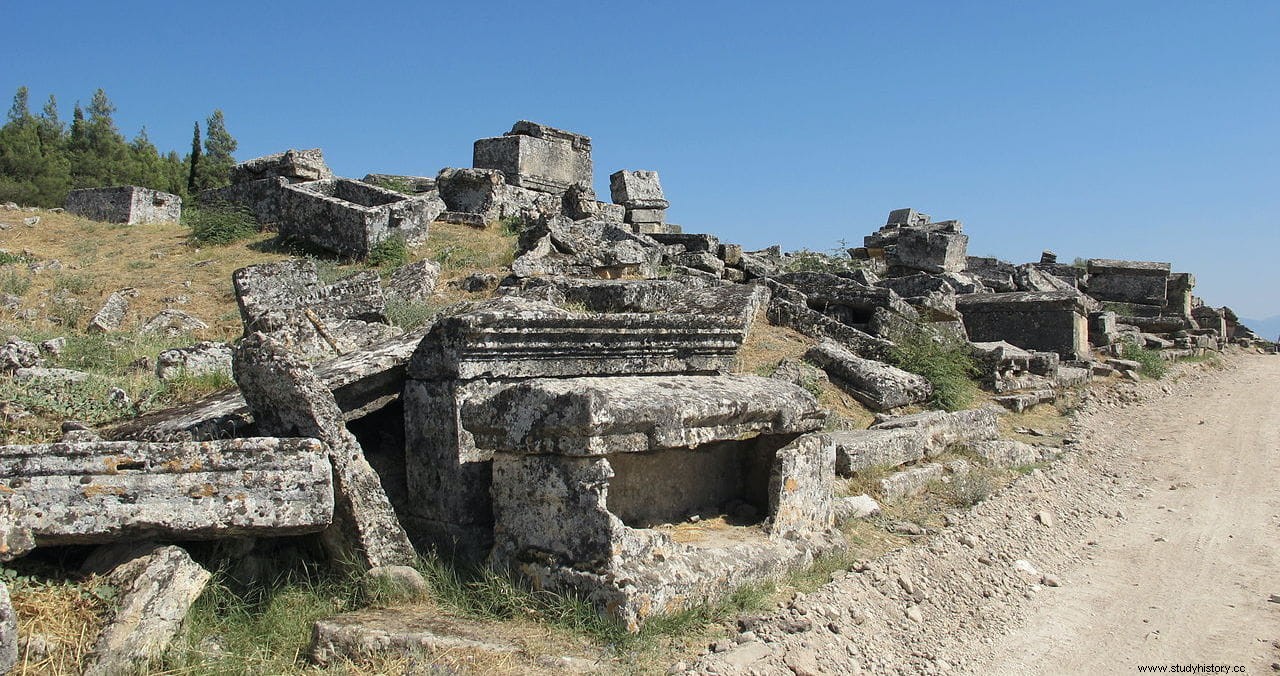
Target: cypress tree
(194,162)
(218,148)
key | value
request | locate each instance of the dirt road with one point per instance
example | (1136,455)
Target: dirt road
(1187,579)
(1152,541)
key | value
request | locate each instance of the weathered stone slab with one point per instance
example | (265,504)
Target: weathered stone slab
(590,248)
(111,315)
(875,384)
(1005,452)
(8,632)
(171,322)
(603,295)
(907,217)
(128,204)
(203,358)
(598,416)
(1141,282)
(519,338)
(93,492)
(415,281)
(931,251)
(287,397)
(1051,322)
(637,190)
(941,429)
(362,382)
(910,481)
(857,450)
(783,312)
(157,590)
(389,632)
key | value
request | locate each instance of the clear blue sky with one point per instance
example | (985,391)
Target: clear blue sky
(1144,130)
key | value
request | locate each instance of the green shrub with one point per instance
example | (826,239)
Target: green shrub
(219,224)
(14,282)
(836,261)
(391,252)
(1152,364)
(7,258)
(409,314)
(511,225)
(944,361)
(970,488)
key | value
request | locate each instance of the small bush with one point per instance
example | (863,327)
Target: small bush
(72,282)
(391,252)
(7,258)
(511,225)
(944,361)
(836,261)
(219,224)
(14,282)
(970,488)
(409,314)
(1152,364)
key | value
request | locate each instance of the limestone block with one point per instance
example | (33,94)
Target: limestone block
(350,217)
(598,416)
(129,204)
(800,486)
(1052,321)
(1006,452)
(637,190)
(857,450)
(172,322)
(907,218)
(287,397)
(910,481)
(91,492)
(877,385)
(1141,282)
(111,315)
(797,316)
(537,157)
(203,358)
(415,281)
(941,429)
(18,353)
(931,251)
(157,590)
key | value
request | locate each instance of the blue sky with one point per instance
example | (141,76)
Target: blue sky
(1143,130)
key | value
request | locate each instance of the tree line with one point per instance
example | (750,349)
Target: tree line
(42,158)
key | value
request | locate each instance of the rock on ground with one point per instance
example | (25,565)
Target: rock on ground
(157,590)
(8,632)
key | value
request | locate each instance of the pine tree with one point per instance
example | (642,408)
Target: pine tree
(193,163)
(219,145)
(19,112)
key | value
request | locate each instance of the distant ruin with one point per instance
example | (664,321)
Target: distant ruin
(128,204)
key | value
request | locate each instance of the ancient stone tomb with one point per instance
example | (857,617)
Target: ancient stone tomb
(582,451)
(128,204)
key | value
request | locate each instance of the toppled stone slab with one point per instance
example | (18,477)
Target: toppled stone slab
(910,481)
(8,632)
(798,317)
(1051,322)
(157,589)
(415,281)
(931,250)
(1025,400)
(372,633)
(203,358)
(128,204)
(878,311)
(111,315)
(56,375)
(362,382)
(855,507)
(941,429)
(603,295)
(637,189)
(1006,452)
(875,384)
(172,322)
(590,248)
(94,492)
(402,183)
(287,301)
(599,416)
(857,450)
(287,397)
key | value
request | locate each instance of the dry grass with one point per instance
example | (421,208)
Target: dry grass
(1045,418)
(66,617)
(767,346)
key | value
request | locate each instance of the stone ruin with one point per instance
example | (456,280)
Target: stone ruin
(297,193)
(586,429)
(127,204)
